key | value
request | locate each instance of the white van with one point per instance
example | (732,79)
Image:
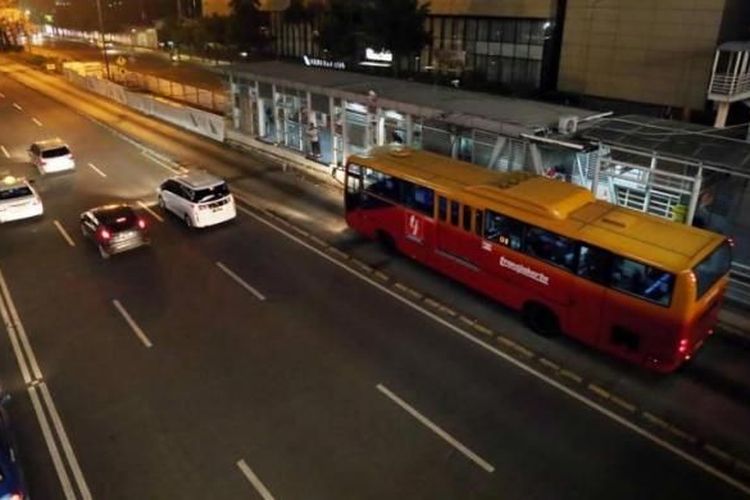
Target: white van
(199,198)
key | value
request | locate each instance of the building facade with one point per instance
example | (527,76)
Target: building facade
(510,46)
(657,53)
(653,52)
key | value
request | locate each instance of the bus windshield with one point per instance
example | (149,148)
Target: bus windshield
(712,268)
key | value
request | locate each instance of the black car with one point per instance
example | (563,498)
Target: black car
(114,228)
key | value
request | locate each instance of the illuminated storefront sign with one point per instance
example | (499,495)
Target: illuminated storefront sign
(323,63)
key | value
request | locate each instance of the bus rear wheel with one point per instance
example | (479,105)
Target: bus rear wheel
(541,320)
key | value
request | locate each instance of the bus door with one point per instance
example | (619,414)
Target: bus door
(588,294)
(455,240)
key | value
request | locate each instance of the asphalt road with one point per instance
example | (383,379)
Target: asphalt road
(328,388)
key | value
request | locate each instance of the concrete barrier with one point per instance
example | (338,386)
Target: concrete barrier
(196,120)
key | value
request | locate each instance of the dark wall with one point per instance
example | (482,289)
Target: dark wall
(735,24)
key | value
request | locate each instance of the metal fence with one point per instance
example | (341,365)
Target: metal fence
(203,98)
(739,289)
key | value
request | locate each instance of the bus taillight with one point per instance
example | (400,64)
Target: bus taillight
(683,347)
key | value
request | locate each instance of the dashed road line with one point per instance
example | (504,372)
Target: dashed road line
(254,480)
(36,122)
(97,170)
(150,211)
(2,96)
(5,151)
(599,391)
(161,163)
(240,281)
(437,430)
(17,106)
(549,364)
(64,233)
(131,322)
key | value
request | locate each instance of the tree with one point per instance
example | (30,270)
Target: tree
(300,11)
(397,26)
(340,28)
(246,24)
(217,29)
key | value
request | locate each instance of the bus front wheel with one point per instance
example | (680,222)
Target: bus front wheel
(541,319)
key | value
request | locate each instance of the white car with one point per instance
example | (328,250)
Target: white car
(18,200)
(198,198)
(50,156)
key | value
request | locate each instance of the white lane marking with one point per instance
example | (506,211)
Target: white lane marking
(19,108)
(437,430)
(97,170)
(37,122)
(16,330)
(148,209)
(519,364)
(5,151)
(254,480)
(54,451)
(67,448)
(2,96)
(240,281)
(133,325)
(161,163)
(64,233)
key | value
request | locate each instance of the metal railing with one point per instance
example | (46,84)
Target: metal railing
(730,85)
(189,94)
(739,286)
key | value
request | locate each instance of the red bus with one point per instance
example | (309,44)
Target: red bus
(641,288)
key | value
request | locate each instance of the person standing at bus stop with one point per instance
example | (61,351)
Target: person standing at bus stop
(314,138)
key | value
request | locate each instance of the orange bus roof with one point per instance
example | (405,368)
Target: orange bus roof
(558,206)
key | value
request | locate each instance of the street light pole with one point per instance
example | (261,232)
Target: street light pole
(101,34)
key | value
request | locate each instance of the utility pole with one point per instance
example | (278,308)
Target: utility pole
(101,34)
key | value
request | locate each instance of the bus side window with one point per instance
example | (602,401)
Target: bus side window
(419,198)
(642,280)
(478,226)
(594,264)
(503,230)
(551,247)
(442,209)
(454,212)
(467,218)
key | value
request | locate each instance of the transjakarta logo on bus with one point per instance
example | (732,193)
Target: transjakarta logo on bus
(524,271)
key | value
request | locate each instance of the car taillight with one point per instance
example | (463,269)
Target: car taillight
(104,234)
(142,223)
(16,496)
